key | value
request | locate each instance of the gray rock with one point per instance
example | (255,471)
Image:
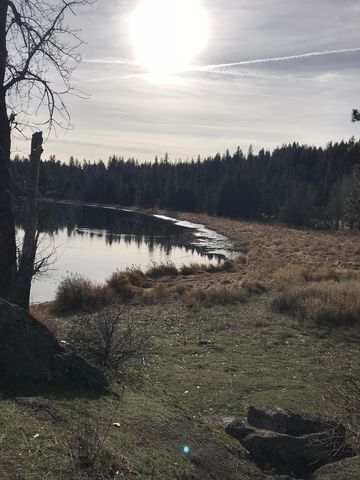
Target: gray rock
(290,443)
(239,430)
(291,455)
(31,356)
(289,422)
(348,469)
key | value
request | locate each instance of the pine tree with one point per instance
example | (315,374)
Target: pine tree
(353,202)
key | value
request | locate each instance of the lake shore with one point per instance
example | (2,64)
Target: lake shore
(209,361)
(266,247)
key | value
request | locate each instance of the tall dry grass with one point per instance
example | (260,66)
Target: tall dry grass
(322,296)
(76,292)
(223,295)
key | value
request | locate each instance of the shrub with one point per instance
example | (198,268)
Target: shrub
(76,292)
(110,339)
(137,278)
(120,283)
(88,447)
(162,270)
(215,296)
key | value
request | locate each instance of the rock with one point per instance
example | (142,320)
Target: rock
(31,356)
(289,422)
(290,443)
(348,469)
(291,455)
(239,430)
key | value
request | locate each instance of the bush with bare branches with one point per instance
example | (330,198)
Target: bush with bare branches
(111,339)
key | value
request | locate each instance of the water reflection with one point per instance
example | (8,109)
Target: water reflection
(97,241)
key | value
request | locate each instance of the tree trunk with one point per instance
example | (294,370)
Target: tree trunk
(25,273)
(7,225)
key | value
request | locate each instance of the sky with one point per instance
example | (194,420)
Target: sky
(226,97)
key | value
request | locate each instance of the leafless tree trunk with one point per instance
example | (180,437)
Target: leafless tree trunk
(7,228)
(38,53)
(21,295)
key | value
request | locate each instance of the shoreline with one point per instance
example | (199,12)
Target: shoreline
(264,249)
(220,244)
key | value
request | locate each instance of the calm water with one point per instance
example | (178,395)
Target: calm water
(95,242)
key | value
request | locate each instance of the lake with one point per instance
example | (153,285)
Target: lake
(95,241)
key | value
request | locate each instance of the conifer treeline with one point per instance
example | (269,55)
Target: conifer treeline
(296,184)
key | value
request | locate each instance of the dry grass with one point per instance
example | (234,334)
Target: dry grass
(270,247)
(322,296)
(223,295)
(43,315)
(295,274)
(76,292)
(120,283)
(196,268)
(162,270)
(154,296)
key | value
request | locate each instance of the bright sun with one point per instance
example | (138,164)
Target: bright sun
(168,34)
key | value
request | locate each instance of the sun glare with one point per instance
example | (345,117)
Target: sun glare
(168,34)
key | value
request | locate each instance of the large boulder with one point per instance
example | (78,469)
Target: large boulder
(288,442)
(348,469)
(30,356)
(291,423)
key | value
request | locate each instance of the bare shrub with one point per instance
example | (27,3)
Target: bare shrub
(76,292)
(215,296)
(162,270)
(88,445)
(111,339)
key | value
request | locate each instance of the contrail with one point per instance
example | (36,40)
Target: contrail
(219,66)
(278,59)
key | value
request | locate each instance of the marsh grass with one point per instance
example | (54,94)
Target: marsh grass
(324,296)
(222,295)
(162,270)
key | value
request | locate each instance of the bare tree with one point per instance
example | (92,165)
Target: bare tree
(26,261)
(38,53)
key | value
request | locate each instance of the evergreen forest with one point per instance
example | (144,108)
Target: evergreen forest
(295,184)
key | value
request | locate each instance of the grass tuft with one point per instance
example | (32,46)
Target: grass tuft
(120,283)
(162,270)
(323,297)
(223,295)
